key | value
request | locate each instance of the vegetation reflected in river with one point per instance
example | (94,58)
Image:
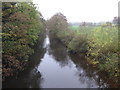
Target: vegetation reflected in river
(31,77)
(59,52)
(85,73)
(52,66)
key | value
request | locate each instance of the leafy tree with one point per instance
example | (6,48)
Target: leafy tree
(57,23)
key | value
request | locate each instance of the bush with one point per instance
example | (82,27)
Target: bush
(78,44)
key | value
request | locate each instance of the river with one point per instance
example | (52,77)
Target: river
(52,66)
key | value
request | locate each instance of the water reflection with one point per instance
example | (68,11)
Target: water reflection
(58,52)
(61,70)
(31,77)
(85,70)
(52,66)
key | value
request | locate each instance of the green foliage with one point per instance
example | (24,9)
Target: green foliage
(105,38)
(21,27)
(78,44)
(103,47)
(110,63)
(101,43)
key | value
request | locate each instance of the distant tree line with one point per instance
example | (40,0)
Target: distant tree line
(115,21)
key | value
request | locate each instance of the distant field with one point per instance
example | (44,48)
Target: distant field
(86,30)
(75,27)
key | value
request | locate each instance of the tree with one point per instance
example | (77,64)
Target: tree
(57,22)
(115,20)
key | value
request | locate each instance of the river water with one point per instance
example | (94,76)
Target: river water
(52,66)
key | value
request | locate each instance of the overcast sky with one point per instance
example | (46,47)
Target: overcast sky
(80,10)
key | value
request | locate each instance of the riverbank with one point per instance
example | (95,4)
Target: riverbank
(111,80)
(21,27)
(38,53)
(23,79)
(103,74)
(82,57)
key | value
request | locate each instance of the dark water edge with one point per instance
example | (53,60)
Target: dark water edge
(49,66)
(16,81)
(102,74)
(80,60)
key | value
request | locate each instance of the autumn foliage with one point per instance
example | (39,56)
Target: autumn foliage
(20,30)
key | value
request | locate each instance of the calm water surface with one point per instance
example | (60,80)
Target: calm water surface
(52,67)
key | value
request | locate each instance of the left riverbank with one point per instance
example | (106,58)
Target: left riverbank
(22,28)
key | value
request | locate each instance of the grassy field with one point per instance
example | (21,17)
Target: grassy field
(75,27)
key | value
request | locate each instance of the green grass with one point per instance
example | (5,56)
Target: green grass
(75,27)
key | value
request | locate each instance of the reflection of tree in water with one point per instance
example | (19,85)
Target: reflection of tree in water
(34,79)
(58,51)
(37,56)
(31,77)
(86,73)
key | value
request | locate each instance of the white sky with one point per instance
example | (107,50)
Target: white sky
(80,10)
